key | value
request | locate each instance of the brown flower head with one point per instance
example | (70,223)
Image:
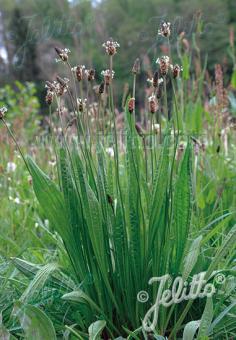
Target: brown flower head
(3,110)
(153,104)
(176,69)
(90,74)
(50,86)
(62,53)
(49,97)
(107,76)
(111,46)
(165,29)
(61,86)
(79,71)
(136,67)
(131,105)
(164,63)
(101,88)
(82,104)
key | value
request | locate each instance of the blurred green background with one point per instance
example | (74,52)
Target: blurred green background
(29,30)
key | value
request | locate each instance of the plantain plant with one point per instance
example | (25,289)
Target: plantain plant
(123,211)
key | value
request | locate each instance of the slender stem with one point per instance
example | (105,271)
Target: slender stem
(165,99)
(134,86)
(87,120)
(169,48)
(80,125)
(152,146)
(74,82)
(98,119)
(176,141)
(145,155)
(176,105)
(54,143)
(160,131)
(116,142)
(16,143)
(155,136)
(82,98)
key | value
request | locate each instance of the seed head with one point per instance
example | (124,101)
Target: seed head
(131,105)
(164,63)
(136,67)
(50,86)
(111,46)
(101,88)
(176,69)
(165,29)
(62,81)
(107,76)
(153,104)
(62,53)
(3,110)
(82,104)
(60,86)
(90,74)
(49,97)
(79,71)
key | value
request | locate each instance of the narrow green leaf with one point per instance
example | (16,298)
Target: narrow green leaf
(30,270)
(206,319)
(226,246)
(190,330)
(182,206)
(79,296)
(233,79)
(192,256)
(95,329)
(35,323)
(39,281)
(222,315)
(50,199)
(159,190)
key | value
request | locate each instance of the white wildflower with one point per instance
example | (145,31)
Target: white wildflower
(17,200)
(110,151)
(11,167)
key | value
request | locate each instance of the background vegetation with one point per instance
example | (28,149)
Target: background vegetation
(29,29)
